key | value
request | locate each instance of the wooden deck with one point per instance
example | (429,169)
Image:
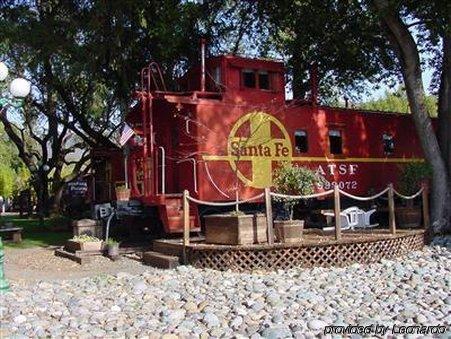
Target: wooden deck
(318,248)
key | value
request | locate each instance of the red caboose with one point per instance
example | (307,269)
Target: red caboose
(228,129)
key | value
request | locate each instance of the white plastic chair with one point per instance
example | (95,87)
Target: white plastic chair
(365,219)
(350,218)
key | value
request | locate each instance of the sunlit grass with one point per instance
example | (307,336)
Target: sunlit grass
(36,233)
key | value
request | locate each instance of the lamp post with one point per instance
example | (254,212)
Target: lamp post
(43,192)
(19,88)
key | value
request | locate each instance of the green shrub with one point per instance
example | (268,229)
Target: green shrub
(412,175)
(292,179)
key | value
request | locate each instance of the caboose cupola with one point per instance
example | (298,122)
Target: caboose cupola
(239,79)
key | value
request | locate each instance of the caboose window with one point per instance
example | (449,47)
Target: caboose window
(249,80)
(335,142)
(217,75)
(301,142)
(389,143)
(263,80)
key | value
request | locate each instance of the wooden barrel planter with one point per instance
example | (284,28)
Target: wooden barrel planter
(288,231)
(408,217)
(235,229)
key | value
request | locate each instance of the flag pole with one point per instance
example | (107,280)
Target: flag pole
(126,152)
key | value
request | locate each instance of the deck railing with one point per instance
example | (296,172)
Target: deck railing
(336,192)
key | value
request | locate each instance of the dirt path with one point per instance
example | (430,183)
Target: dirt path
(41,264)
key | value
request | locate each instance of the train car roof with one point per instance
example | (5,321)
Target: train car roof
(369,111)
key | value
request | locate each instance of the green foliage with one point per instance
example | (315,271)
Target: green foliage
(85,238)
(412,175)
(84,59)
(13,174)
(112,242)
(397,102)
(292,179)
(339,35)
(7,176)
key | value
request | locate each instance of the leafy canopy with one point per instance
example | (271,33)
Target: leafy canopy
(397,102)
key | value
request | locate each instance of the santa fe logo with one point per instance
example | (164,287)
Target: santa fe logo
(251,142)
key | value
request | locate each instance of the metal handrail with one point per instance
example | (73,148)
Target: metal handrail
(163,169)
(194,171)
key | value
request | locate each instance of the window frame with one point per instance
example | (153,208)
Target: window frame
(341,131)
(272,76)
(248,70)
(386,137)
(298,150)
(269,77)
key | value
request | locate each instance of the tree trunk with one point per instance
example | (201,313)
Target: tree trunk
(57,194)
(444,104)
(42,193)
(408,55)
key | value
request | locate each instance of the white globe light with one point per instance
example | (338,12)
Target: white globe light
(3,71)
(20,87)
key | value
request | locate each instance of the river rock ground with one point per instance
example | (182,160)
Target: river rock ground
(53,297)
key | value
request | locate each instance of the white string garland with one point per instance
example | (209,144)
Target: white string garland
(409,197)
(309,196)
(232,203)
(349,195)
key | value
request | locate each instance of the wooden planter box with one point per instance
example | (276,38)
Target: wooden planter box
(288,231)
(87,226)
(86,246)
(408,217)
(241,229)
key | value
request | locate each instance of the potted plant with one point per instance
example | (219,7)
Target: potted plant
(122,193)
(412,176)
(292,180)
(112,248)
(84,243)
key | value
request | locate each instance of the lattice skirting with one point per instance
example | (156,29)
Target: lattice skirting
(340,254)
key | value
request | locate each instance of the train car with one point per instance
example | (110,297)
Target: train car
(227,129)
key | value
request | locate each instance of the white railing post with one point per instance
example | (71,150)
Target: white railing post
(337,211)
(391,210)
(269,223)
(186,223)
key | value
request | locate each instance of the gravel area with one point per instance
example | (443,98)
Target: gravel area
(39,263)
(190,303)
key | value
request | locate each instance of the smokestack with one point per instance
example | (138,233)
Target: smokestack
(314,83)
(202,64)
(346,101)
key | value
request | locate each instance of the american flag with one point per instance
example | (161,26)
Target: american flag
(127,133)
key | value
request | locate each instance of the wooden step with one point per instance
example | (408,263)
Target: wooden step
(173,246)
(167,248)
(160,260)
(81,259)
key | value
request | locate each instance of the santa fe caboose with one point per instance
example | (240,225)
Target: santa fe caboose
(231,126)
